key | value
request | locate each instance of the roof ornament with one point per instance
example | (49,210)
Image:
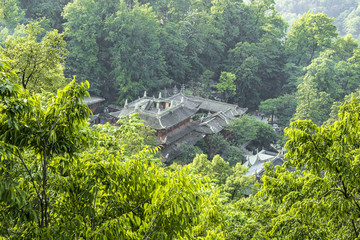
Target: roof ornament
(182,90)
(171,104)
(175,90)
(159,94)
(126,103)
(144,93)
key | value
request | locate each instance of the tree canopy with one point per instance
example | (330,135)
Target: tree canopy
(59,177)
(62,178)
(40,64)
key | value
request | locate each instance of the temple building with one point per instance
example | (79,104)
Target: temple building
(180,119)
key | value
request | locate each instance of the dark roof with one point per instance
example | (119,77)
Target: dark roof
(209,105)
(216,122)
(163,119)
(182,107)
(174,116)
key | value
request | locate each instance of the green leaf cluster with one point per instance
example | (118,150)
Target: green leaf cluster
(255,133)
(315,194)
(231,181)
(62,179)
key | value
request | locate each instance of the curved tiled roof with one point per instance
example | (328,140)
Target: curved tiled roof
(174,116)
(164,113)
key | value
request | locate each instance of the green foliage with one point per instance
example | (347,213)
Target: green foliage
(239,185)
(132,136)
(129,199)
(188,153)
(55,183)
(129,47)
(173,50)
(138,64)
(202,87)
(89,51)
(336,106)
(319,202)
(220,169)
(201,164)
(226,85)
(313,104)
(39,63)
(282,107)
(33,133)
(249,218)
(344,47)
(346,13)
(249,129)
(233,155)
(258,68)
(328,78)
(10,14)
(231,180)
(217,144)
(308,36)
(51,10)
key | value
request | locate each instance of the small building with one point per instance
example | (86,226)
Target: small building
(180,119)
(255,163)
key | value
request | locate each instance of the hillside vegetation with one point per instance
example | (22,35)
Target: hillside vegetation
(61,178)
(346,13)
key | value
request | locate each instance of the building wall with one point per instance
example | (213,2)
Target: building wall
(94,106)
(163,133)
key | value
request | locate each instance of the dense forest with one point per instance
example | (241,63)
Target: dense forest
(346,13)
(61,178)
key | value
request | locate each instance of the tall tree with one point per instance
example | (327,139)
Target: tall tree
(226,85)
(282,107)
(38,63)
(312,103)
(321,201)
(138,62)
(308,36)
(89,51)
(173,49)
(245,60)
(50,129)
